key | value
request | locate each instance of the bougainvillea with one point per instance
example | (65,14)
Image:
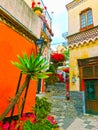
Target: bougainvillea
(57,57)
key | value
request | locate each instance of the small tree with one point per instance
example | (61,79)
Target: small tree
(34,68)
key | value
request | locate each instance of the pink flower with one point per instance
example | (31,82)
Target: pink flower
(23,115)
(53,122)
(49,118)
(6,126)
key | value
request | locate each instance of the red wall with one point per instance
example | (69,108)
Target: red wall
(11,44)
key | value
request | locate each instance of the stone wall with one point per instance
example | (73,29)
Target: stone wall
(77,99)
(75,104)
(57,90)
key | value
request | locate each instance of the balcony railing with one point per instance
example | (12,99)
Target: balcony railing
(47,27)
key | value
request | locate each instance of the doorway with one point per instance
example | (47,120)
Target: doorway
(91,96)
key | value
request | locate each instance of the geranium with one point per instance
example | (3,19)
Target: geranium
(56,57)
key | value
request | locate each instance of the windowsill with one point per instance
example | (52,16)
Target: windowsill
(87,27)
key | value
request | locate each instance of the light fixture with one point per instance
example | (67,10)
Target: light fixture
(73,79)
(39,41)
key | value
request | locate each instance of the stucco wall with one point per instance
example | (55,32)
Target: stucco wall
(80,52)
(23,14)
(11,44)
(29,2)
(74,18)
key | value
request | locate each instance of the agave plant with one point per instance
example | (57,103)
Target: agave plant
(34,68)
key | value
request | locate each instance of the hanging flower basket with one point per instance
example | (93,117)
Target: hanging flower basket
(37,8)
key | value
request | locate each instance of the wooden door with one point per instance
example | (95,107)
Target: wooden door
(91,96)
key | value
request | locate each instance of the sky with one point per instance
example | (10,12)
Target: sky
(59,19)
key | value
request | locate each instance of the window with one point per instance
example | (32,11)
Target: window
(86,19)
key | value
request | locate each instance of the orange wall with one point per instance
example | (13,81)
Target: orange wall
(11,44)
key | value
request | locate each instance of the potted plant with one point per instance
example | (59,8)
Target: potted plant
(37,8)
(34,68)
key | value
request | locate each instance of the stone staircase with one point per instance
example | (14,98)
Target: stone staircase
(64,111)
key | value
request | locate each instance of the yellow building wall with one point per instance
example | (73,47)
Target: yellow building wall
(74,18)
(80,52)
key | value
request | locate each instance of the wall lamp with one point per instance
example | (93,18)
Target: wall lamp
(73,79)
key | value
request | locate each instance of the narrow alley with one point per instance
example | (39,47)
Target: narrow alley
(66,112)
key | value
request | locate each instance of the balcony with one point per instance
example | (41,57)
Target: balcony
(19,14)
(45,17)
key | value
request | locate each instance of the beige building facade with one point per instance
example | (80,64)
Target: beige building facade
(83,46)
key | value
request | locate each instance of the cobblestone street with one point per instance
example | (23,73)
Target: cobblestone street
(66,114)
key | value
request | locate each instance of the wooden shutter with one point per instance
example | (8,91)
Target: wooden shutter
(87,72)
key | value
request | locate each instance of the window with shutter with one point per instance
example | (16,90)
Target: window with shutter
(96,70)
(87,72)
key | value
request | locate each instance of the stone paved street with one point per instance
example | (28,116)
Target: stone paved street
(66,114)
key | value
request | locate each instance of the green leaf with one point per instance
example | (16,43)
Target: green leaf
(21,67)
(26,60)
(43,67)
(21,60)
(27,125)
(32,58)
(37,59)
(40,62)
(42,76)
(35,67)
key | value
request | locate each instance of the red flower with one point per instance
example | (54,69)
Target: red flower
(57,57)
(66,70)
(60,77)
(33,4)
(45,7)
(38,3)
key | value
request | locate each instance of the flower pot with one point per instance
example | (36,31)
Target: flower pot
(38,12)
